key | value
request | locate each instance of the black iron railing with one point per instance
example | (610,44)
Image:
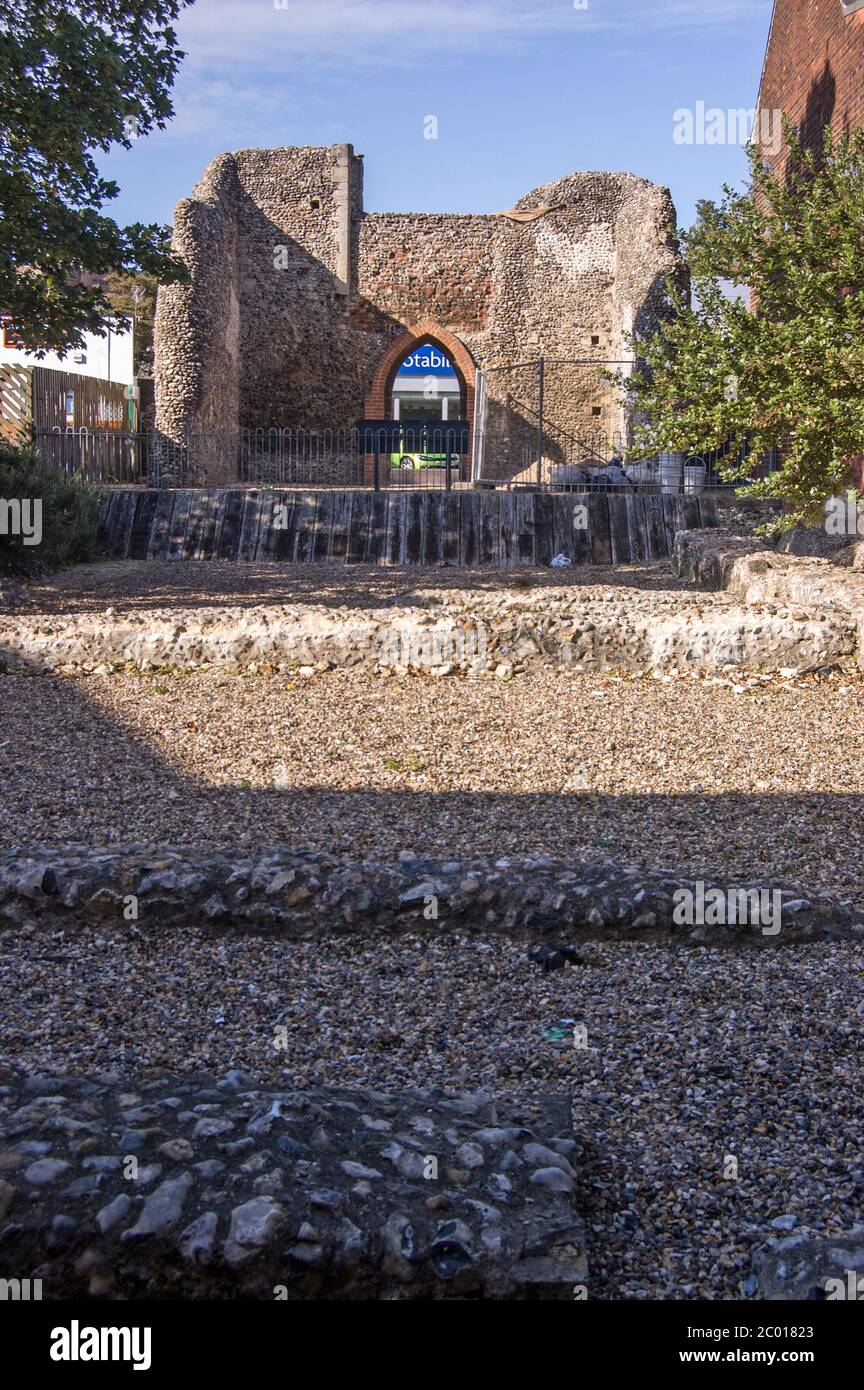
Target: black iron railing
(382,455)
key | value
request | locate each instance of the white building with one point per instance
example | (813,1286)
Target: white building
(106,359)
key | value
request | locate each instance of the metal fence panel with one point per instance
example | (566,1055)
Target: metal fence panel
(416,458)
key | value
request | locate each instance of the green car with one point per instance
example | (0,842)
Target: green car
(399,460)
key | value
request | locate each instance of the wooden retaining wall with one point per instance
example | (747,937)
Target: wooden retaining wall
(396,528)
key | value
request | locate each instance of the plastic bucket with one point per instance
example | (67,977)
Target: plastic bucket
(694,477)
(671,472)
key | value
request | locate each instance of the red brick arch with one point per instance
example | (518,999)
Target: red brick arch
(377,405)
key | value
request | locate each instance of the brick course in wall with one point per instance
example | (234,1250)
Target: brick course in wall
(301,305)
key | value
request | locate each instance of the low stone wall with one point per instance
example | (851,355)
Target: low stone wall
(444,632)
(492,529)
(192,1187)
(306,894)
(715,559)
(757,574)
(806,1267)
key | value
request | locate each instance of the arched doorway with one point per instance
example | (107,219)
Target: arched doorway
(426,388)
(423,389)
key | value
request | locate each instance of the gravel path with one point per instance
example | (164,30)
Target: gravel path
(761,777)
(128,584)
(692,1055)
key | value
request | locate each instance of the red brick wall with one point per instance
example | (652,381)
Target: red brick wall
(814,66)
(814,72)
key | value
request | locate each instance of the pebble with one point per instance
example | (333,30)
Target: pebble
(198,1240)
(7,1192)
(162,1209)
(553,1178)
(253,1225)
(111,1215)
(358,1170)
(45,1170)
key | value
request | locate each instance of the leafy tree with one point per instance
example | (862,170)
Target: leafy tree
(134,296)
(787,369)
(76,78)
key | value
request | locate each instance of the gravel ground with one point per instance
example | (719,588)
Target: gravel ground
(129,584)
(692,1055)
(761,777)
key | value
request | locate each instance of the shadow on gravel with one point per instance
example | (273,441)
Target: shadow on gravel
(130,585)
(124,792)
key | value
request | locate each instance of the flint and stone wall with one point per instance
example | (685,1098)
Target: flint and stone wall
(297,296)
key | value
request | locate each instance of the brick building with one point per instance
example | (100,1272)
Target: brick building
(814,65)
(303,308)
(814,73)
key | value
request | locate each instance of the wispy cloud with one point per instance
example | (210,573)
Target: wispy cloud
(401,31)
(233,105)
(252,64)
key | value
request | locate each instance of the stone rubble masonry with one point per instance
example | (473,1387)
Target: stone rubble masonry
(805,1267)
(756,574)
(277,1194)
(247,344)
(477,634)
(306,894)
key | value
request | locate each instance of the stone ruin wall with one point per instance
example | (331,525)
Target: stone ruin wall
(248,344)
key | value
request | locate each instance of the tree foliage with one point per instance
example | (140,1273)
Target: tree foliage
(787,369)
(134,297)
(75,79)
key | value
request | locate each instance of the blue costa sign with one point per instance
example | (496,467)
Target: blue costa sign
(427,360)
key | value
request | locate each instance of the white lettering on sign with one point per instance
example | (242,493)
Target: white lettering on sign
(426,359)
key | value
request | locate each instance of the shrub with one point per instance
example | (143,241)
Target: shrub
(69,516)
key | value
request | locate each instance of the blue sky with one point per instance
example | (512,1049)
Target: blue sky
(524,91)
